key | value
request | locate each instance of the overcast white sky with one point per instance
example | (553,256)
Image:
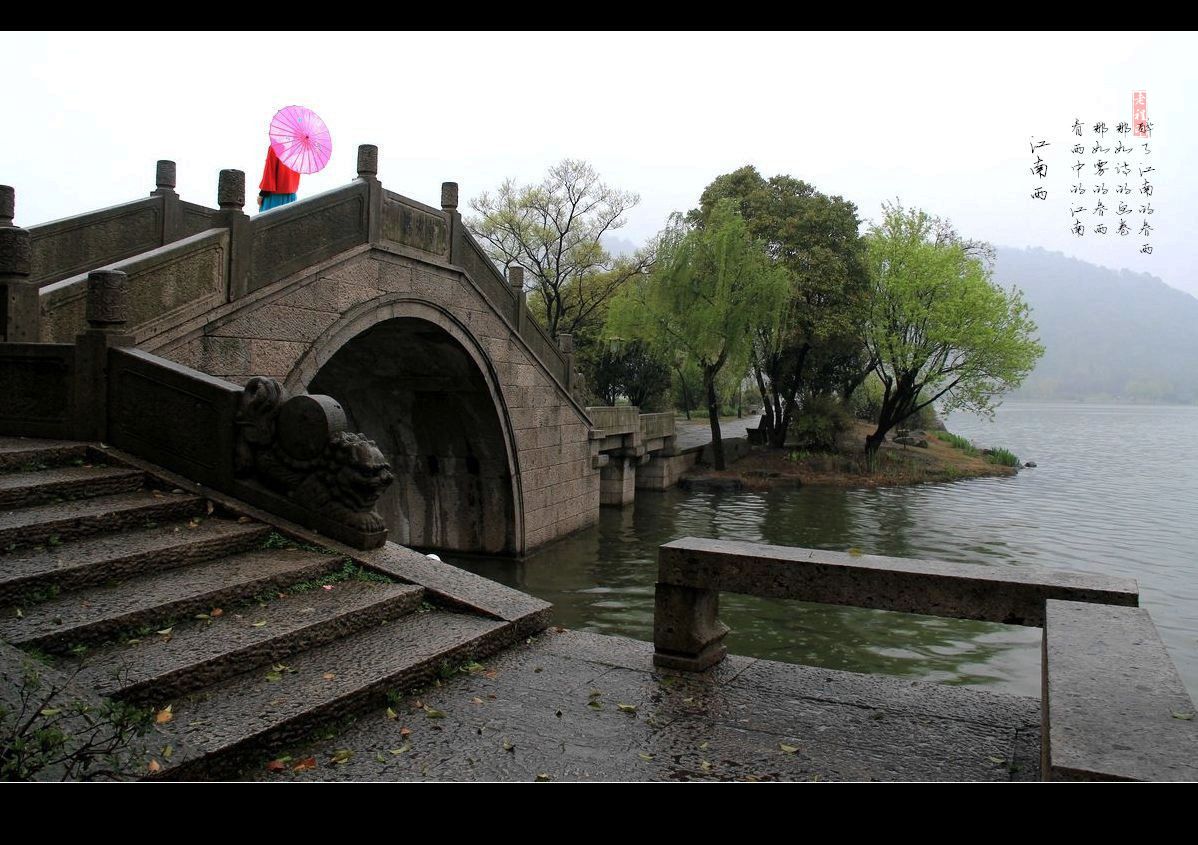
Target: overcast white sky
(940,120)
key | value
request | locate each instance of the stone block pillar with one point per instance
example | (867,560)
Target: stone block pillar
(19,314)
(172,210)
(515,280)
(453,220)
(617,482)
(230,196)
(107,321)
(687,634)
(368,172)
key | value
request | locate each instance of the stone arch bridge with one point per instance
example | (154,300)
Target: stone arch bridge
(380,301)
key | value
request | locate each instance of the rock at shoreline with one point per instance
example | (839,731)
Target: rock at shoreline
(1030,464)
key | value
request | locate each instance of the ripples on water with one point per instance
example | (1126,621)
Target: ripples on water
(1115,492)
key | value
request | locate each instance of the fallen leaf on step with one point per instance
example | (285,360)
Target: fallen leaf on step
(154,766)
(244,520)
(261,623)
(476,700)
(627,708)
(789,749)
(391,714)
(543,777)
(304,765)
(342,756)
(216,611)
(276,766)
(165,631)
(1185,716)
(328,676)
(328,586)
(402,749)
(433,713)
(164,715)
(405,732)
(209,507)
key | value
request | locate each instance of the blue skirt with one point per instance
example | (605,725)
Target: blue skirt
(275,200)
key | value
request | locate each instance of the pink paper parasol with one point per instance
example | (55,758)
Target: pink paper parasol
(300,139)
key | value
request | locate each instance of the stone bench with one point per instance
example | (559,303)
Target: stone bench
(1113,706)
(688,635)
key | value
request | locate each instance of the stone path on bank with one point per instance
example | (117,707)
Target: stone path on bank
(572,706)
(697,432)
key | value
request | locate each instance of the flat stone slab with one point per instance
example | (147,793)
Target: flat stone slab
(1011,595)
(196,653)
(1114,704)
(579,706)
(92,614)
(96,560)
(459,587)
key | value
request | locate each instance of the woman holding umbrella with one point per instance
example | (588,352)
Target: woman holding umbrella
(299,143)
(279,183)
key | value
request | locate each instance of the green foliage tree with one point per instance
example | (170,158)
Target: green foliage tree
(554,230)
(938,328)
(709,288)
(632,370)
(814,347)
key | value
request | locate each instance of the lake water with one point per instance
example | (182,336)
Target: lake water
(1115,492)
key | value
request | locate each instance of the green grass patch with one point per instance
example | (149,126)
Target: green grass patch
(958,442)
(1003,457)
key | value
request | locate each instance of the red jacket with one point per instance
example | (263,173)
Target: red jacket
(278,178)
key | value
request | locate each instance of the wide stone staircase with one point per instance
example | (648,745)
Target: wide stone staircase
(236,635)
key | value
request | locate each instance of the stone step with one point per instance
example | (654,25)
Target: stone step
(27,489)
(28,454)
(93,561)
(91,616)
(212,733)
(65,521)
(160,668)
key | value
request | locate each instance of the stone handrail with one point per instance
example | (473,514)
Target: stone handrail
(73,245)
(692,572)
(615,419)
(167,285)
(657,425)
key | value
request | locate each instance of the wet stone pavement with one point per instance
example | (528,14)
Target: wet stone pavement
(573,706)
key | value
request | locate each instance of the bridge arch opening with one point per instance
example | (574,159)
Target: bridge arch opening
(418,392)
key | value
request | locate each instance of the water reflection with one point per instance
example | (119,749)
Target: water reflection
(1116,492)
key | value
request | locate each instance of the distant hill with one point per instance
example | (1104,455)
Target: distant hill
(1109,334)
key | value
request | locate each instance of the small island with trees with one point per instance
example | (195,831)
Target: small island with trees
(849,335)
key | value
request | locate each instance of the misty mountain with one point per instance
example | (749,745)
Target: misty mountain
(618,246)
(1108,334)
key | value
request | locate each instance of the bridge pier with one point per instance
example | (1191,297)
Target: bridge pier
(617,482)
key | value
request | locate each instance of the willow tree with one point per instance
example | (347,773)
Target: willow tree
(815,347)
(709,288)
(938,327)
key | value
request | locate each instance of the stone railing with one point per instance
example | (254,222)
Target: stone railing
(691,573)
(165,245)
(654,426)
(74,245)
(167,285)
(615,419)
(290,455)
(1112,704)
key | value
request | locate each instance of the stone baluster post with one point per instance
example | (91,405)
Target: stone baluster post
(107,328)
(19,315)
(515,280)
(230,197)
(368,172)
(172,211)
(453,220)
